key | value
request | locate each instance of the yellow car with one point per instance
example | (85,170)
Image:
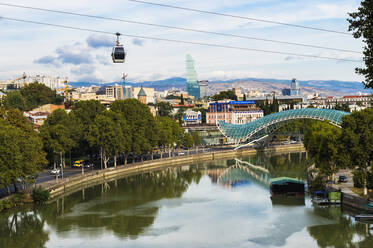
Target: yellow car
(78,163)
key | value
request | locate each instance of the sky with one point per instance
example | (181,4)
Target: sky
(85,56)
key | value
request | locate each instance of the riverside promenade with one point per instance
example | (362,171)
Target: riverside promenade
(74,183)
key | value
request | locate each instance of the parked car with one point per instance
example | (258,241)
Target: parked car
(55,171)
(342,179)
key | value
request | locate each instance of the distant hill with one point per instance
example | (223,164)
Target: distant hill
(325,87)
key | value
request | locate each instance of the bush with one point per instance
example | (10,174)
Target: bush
(13,201)
(317,184)
(40,195)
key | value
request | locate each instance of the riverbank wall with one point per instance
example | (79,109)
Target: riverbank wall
(78,182)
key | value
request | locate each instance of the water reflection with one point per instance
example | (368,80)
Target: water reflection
(259,169)
(121,206)
(22,229)
(344,232)
(188,207)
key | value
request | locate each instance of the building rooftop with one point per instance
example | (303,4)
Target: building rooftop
(141,92)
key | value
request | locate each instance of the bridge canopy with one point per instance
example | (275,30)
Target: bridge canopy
(243,132)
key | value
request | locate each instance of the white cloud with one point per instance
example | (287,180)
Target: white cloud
(97,41)
(138,42)
(41,48)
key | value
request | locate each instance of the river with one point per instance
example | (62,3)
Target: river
(222,203)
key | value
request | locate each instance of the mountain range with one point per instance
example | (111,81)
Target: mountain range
(323,87)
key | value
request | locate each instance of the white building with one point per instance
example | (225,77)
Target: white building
(243,117)
(49,81)
(115,91)
(192,117)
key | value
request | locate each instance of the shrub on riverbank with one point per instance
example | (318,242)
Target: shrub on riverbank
(317,184)
(40,195)
(13,201)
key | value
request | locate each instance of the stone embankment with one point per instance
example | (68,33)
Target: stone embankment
(75,183)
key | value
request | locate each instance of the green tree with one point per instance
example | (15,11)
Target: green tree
(196,138)
(180,114)
(107,135)
(187,141)
(60,134)
(164,109)
(85,112)
(357,142)
(141,122)
(177,133)
(342,107)
(14,99)
(275,105)
(322,142)
(37,94)
(361,23)
(21,149)
(222,95)
(182,100)
(166,139)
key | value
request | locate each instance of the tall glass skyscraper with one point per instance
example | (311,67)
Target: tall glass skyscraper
(192,83)
(294,88)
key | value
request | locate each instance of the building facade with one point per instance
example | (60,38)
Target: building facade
(192,117)
(115,91)
(294,88)
(203,88)
(192,83)
(233,112)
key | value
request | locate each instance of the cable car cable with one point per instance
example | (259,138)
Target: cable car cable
(180,41)
(242,17)
(179,28)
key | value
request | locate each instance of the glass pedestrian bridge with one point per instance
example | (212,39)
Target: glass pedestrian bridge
(262,127)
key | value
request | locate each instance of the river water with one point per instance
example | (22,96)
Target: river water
(222,203)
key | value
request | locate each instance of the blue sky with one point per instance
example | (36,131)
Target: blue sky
(85,56)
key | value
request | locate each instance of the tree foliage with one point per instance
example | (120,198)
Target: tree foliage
(322,142)
(222,95)
(361,23)
(268,107)
(21,149)
(31,96)
(164,109)
(342,107)
(357,141)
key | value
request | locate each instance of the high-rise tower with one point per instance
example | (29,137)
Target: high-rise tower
(192,83)
(294,88)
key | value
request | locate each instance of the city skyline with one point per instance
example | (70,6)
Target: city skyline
(85,56)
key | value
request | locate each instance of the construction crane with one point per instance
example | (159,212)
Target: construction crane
(20,78)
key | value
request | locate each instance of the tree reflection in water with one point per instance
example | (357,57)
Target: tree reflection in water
(126,207)
(22,229)
(345,233)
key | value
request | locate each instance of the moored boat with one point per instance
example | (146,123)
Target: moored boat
(286,186)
